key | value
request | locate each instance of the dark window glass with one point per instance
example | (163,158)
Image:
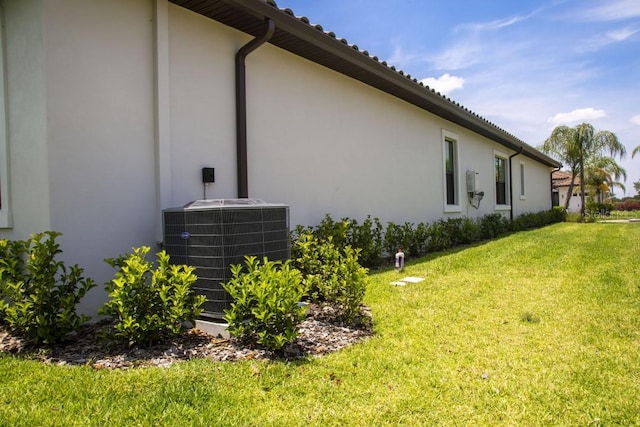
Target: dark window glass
(501,181)
(450,171)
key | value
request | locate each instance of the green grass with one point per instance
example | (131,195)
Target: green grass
(537,328)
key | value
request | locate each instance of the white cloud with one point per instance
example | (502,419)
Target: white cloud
(444,84)
(400,58)
(459,56)
(614,36)
(622,34)
(492,25)
(635,120)
(577,115)
(612,11)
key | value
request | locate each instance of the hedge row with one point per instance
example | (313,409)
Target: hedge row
(377,242)
(628,205)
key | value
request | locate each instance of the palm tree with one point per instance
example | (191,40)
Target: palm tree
(562,145)
(575,146)
(603,174)
(635,151)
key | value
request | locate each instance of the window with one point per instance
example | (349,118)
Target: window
(450,171)
(5,212)
(502,188)
(523,194)
(450,159)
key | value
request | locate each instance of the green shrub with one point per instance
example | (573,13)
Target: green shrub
(422,238)
(368,238)
(419,240)
(462,230)
(393,238)
(469,231)
(310,257)
(331,275)
(558,214)
(150,305)
(336,231)
(530,220)
(266,305)
(38,295)
(413,240)
(493,225)
(347,286)
(439,237)
(526,221)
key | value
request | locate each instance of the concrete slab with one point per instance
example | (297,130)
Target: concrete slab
(213,328)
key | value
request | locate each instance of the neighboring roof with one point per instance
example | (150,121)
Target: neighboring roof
(563,179)
(298,36)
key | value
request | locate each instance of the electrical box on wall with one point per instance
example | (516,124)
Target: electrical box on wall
(472,182)
(208,175)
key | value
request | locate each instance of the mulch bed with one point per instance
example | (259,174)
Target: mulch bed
(319,334)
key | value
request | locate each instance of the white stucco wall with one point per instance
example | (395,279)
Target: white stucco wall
(537,186)
(92,155)
(317,140)
(80,118)
(26,118)
(100,98)
(324,143)
(575,202)
(202,99)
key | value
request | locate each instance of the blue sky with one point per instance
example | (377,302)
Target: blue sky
(526,66)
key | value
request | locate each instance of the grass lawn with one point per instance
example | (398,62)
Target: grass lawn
(537,328)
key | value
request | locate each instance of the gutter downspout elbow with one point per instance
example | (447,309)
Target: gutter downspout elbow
(511,182)
(241,105)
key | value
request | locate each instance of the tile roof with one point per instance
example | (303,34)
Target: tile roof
(299,36)
(563,179)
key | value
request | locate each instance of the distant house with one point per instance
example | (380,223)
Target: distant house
(111,108)
(561,183)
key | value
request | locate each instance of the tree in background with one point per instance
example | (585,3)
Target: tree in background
(604,174)
(580,145)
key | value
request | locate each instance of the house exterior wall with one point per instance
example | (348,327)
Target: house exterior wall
(202,103)
(26,120)
(81,127)
(537,193)
(317,140)
(97,150)
(575,202)
(100,128)
(100,98)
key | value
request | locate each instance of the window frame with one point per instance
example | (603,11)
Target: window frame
(447,139)
(5,199)
(507,185)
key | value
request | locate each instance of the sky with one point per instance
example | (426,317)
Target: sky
(527,66)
